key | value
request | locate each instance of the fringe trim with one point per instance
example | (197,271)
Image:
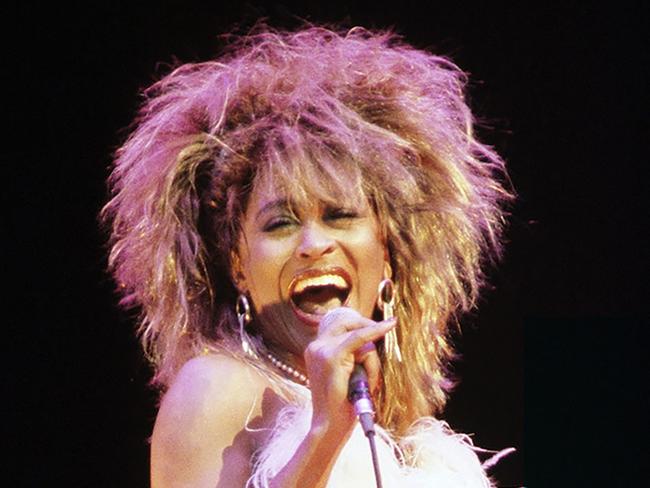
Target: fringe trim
(430,455)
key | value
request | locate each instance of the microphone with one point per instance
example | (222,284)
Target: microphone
(359,396)
(358,385)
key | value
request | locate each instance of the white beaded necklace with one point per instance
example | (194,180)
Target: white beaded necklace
(297,375)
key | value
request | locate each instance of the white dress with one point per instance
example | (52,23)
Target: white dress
(442,458)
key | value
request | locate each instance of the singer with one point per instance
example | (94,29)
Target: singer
(309,201)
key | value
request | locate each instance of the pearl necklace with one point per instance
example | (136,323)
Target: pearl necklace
(297,375)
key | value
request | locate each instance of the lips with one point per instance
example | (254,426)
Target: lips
(316,291)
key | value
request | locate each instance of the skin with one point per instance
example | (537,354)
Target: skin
(200,434)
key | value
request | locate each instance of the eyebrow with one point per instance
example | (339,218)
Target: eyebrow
(280,203)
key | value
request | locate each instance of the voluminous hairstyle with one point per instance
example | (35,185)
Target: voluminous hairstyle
(320,113)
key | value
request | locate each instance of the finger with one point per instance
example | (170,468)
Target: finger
(372,365)
(342,319)
(366,348)
(353,345)
(358,338)
(332,349)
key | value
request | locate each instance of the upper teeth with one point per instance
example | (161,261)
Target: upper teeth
(323,280)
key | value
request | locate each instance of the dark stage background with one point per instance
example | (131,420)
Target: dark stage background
(554,361)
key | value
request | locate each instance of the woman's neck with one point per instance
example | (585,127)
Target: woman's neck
(291,364)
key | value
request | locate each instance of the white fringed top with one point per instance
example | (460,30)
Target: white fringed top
(441,458)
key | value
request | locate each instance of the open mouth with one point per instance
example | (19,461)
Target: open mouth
(316,292)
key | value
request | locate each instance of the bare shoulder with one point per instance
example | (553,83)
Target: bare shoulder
(200,436)
(212,383)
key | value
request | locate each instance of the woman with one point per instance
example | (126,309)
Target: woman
(257,206)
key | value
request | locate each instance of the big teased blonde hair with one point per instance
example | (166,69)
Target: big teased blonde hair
(321,111)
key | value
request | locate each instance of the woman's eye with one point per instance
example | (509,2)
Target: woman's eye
(341,214)
(278,223)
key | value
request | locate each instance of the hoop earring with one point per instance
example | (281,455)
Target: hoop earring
(244,317)
(386,301)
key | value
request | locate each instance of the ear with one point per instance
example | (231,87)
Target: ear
(388,270)
(237,272)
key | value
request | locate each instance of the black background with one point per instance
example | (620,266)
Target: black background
(553,362)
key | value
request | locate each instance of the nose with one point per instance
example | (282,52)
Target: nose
(315,242)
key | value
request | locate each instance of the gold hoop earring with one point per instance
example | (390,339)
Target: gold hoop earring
(385,302)
(244,317)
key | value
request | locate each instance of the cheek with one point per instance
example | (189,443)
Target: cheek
(264,269)
(371,266)
(373,250)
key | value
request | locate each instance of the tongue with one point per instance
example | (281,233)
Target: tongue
(319,301)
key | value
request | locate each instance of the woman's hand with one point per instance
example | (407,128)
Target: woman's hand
(344,338)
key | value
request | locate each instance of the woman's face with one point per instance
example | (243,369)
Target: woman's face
(296,262)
